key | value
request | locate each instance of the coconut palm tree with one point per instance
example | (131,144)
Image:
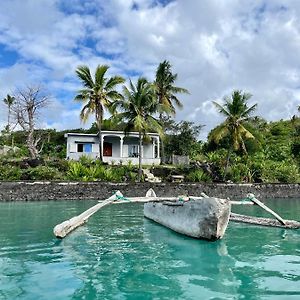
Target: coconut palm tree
(166,92)
(237,113)
(98,94)
(9,101)
(137,109)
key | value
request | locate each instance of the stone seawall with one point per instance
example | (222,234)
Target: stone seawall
(39,191)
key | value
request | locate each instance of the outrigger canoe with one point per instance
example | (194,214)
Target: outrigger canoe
(199,217)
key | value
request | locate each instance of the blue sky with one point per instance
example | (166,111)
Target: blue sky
(215,46)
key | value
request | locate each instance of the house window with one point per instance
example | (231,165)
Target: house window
(133,150)
(86,147)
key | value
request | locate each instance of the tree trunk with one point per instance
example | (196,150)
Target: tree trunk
(162,150)
(140,157)
(227,164)
(99,123)
(30,141)
(100,144)
(8,119)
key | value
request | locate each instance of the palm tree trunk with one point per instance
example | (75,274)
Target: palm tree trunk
(140,158)
(162,150)
(100,144)
(99,123)
(227,164)
(8,119)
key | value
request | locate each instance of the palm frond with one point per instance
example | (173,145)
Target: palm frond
(99,75)
(83,72)
(176,101)
(85,113)
(248,111)
(113,82)
(245,132)
(179,90)
(221,109)
(219,132)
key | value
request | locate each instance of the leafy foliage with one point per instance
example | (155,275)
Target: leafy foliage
(198,176)
(98,93)
(95,171)
(137,110)
(182,139)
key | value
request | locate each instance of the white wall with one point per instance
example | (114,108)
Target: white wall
(72,146)
(147,150)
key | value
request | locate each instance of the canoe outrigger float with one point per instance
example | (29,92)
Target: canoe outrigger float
(199,217)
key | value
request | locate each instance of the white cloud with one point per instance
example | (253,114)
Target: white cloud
(214,46)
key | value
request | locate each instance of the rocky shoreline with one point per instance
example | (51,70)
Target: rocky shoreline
(52,190)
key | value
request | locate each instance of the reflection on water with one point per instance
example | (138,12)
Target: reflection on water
(121,255)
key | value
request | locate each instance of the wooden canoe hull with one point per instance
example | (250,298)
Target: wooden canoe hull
(205,218)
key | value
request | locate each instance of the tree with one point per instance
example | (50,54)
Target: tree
(166,92)
(98,94)
(237,113)
(9,101)
(26,110)
(182,138)
(137,109)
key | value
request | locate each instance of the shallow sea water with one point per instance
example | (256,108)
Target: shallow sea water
(121,255)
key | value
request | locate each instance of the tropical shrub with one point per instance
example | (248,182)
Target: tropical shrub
(76,170)
(198,176)
(41,173)
(285,171)
(96,171)
(10,173)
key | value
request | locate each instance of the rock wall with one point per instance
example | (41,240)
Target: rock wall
(38,191)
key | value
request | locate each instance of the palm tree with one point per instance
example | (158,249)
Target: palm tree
(9,101)
(166,92)
(98,93)
(237,113)
(137,109)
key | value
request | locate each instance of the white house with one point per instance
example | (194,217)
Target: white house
(116,147)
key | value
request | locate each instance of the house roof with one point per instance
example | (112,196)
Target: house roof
(109,132)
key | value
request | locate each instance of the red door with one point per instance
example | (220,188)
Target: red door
(107,149)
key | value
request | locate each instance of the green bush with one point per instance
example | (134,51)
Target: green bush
(97,171)
(198,176)
(86,161)
(76,170)
(60,164)
(8,173)
(240,172)
(41,173)
(285,172)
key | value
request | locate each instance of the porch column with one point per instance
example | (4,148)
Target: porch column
(153,147)
(158,154)
(102,139)
(121,146)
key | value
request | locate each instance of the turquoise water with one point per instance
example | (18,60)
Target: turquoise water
(121,255)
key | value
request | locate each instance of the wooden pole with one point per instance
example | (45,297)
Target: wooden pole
(266,208)
(63,229)
(290,224)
